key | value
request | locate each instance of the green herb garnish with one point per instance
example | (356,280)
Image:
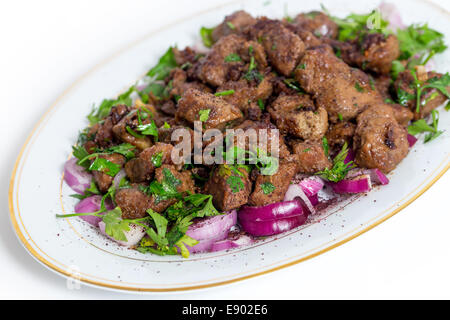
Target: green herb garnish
(224,93)
(267,188)
(204,115)
(340,169)
(421,126)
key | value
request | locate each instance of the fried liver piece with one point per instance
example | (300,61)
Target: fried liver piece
(375,52)
(283,47)
(133,203)
(104,136)
(221,112)
(318,23)
(229,189)
(102,179)
(379,141)
(279,181)
(130,122)
(141,169)
(341,90)
(246,92)
(311,156)
(214,69)
(340,133)
(297,115)
(233,23)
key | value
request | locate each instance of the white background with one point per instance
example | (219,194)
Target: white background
(46,45)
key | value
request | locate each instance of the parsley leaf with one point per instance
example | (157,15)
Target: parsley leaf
(105,166)
(267,188)
(165,64)
(419,40)
(236,184)
(206,34)
(80,153)
(224,93)
(325,146)
(204,115)
(115,226)
(157,159)
(148,129)
(233,57)
(421,126)
(167,189)
(340,169)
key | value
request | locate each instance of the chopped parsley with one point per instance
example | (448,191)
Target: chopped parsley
(419,40)
(325,146)
(236,184)
(105,166)
(358,87)
(206,35)
(233,57)
(231,25)
(421,126)
(261,104)
(165,64)
(149,129)
(267,188)
(293,84)
(157,159)
(339,169)
(355,25)
(204,115)
(224,93)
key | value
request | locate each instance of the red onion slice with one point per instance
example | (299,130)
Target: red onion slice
(273,211)
(134,235)
(296,191)
(208,228)
(268,228)
(411,140)
(206,244)
(390,13)
(378,177)
(356,185)
(76,177)
(311,186)
(235,241)
(91,204)
(121,174)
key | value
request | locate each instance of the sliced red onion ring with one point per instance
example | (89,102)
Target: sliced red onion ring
(233,241)
(311,186)
(356,185)
(134,235)
(121,174)
(210,227)
(268,228)
(390,13)
(92,204)
(273,211)
(296,191)
(314,199)
(206,244)
(378,177)
(76,177)
(411,140)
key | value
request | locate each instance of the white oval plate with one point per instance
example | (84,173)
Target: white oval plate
(72,248)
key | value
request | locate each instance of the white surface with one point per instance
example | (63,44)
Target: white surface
(52,44)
